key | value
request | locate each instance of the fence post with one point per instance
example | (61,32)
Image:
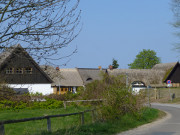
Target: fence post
(93,116)
(82,118)
(48,124)
(2,131)
(64,104)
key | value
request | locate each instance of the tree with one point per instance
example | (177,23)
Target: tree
(146,59)
(175,4)
(42,27)
(115,64)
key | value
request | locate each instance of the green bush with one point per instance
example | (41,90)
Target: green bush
(117,103)
(117,99)
(15,105)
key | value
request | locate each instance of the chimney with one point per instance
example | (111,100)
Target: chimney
(110,67)
(57,68)
(100,68)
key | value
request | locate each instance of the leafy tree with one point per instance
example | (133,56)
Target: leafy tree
(115,64)
(42,27)
(146,59)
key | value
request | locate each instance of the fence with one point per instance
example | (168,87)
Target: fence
(162,94)
(2,123)
(75,101)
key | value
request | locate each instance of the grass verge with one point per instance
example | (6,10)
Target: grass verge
(126,122)
(38,126)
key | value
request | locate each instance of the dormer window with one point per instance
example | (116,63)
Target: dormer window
(9,70)
(19,70)
(89,79)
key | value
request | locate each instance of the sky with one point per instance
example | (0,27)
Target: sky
(120,29)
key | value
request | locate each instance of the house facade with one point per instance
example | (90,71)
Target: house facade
(64,80)
(19,71)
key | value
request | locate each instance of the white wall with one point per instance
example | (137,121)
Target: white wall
(45,89)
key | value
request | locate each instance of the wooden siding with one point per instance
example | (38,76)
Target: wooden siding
(174,76)
(20,59)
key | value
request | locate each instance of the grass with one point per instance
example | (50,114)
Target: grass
(111,127)
(71,125)
(36,127)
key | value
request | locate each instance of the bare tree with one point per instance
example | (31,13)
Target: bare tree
(42,27)
(175,4)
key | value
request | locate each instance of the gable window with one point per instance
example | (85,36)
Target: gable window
(28,70)
(9,70)
(19,70)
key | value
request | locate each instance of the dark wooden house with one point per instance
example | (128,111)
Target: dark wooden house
(174,76)
(19,70)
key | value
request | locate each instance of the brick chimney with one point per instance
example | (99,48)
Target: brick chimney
(110,67)
(57,68)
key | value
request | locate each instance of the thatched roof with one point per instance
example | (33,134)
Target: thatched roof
(164,66)
(90,74)
(7,52)
(148,76)
(63,77)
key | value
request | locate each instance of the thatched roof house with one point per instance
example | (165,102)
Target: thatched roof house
(63,77)
(64,80)
(164,66)
(147,76)
(90,74)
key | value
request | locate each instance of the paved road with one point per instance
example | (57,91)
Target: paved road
(170,125)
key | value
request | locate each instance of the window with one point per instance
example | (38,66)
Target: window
(19,70)
(89,79)
(28,70)
(9,71)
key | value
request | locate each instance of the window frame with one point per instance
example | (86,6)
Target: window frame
(10,70)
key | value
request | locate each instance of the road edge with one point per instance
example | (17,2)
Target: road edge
(147,126)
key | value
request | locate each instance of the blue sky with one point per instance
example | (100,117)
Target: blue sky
(120,29)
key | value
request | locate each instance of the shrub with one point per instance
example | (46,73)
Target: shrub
(118,100)
(117,103)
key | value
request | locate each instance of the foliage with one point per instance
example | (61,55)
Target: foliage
(16,105)
(176,24)
(35,127)
(146,59)
(119,102)
(166,74)
(126,122)
(5,92)
(43,27)
(117,99)
(115,64)
(96,89)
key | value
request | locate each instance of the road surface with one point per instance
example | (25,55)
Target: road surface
(170,125)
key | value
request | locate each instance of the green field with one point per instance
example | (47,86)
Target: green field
(36,127)
(71,125)
(112,127)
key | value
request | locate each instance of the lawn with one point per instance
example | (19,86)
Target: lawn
(71,125)
(36,127)
(111,127)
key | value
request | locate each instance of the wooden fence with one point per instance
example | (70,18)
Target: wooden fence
(2,123)
(76,101)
